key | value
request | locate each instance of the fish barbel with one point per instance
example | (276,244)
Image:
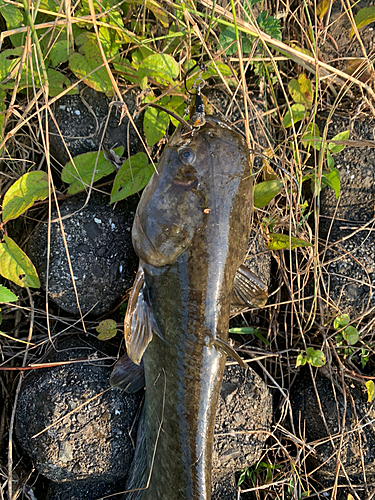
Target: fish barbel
(190,232)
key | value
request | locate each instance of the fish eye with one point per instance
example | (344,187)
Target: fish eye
(186,156)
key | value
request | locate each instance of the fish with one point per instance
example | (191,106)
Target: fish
(190,233)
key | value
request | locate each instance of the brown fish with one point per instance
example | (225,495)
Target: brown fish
(191,233)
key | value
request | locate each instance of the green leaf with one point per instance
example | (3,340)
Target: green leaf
(14,18)
(87,60)
(364,16)
(23,193)
(337,148)
(311,137)
(270,25)
(80,174)
(227,39)
(340,321)
(131,179)
(332,179)
(155,125)
(322,8)
(370,391)
(330,161)
(301,90)
(58,82)
(278,241)
(126,70)
(298,113)
(59,52)
(351,335)
(313,357)
(16,266)
(247,330)
(2,116)
(9,63)
(265,191)
(107,329)
(301,360)
(159,12)
(6,295)
(163,68)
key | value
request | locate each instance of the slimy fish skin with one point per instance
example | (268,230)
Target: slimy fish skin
(191,233)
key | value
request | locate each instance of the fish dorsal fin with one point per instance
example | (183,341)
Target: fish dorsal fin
(248,289)
(127,376)
(140,322)
(229,351)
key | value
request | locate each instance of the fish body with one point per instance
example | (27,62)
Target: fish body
(191,232)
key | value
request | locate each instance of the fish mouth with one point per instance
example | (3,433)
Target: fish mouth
(186,184)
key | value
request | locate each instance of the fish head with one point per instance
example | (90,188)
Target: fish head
(195,172)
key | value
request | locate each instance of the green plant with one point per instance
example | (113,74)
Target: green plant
(314,357)
(347,336)
(262,472)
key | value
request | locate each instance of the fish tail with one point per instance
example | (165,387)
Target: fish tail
(137,477)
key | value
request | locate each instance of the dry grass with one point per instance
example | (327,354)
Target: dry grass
(300,311)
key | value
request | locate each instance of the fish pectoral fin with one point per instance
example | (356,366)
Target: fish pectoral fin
(248,289)
(229,351)
(127,376)
(139,321)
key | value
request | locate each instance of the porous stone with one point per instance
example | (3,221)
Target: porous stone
(83,425)
(243,421)
(82,118)
(336,428)
(98,238)
(346,227)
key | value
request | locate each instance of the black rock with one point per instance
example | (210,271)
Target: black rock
(98,237)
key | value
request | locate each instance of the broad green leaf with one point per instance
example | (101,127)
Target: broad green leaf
(315,357)
(330,161)
(301,360)
(278,241)
(337,148)
(16,266)
(370,386)
(265,191)
(298,113)
(163,68)
(14,18)
(58,83)
(159,12)
(332,179)
(364,16)
(301,90)
(155,125)
(111,43)
(269,24)
(9,64)
(132,177)
(80,174)
(87,60)
(23,193)
(178,105)
(2,116)
(340,321)
(59,52)
(311,137)
(6,295)
(322,8)
(125,69)
(247,330)
(107,329)
(351,335)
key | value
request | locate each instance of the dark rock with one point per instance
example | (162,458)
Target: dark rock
(328,439)
(244,411)
(82,118)
(349,264)
(89,437)
(98,238)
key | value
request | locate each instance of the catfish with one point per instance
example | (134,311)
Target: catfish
(190,233)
